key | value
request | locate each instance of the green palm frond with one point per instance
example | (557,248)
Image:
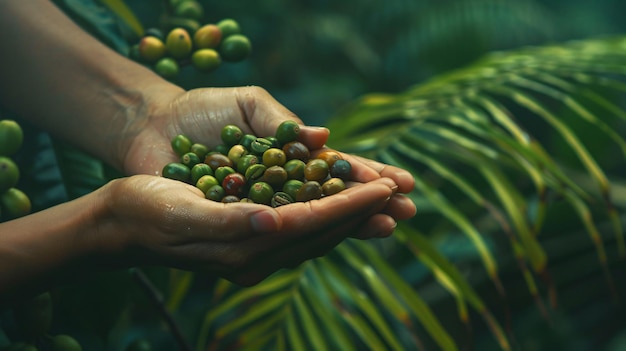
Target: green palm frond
(501,151)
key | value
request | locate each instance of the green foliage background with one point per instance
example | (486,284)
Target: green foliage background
(441,96)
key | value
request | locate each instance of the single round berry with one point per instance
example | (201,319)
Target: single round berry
(333,186)
(235,48)
(316,169)
(310,190)
(341,169)
(231,135)
(330,156)
(296,150)
(234,184)
(261,193)
(287,132)
(176,171)
(274,157)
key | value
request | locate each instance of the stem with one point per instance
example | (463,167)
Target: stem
(156,297)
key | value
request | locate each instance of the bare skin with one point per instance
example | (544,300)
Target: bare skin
(126,115)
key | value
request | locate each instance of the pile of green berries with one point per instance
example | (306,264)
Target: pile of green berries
(275,170)
(182,40)
(14,203)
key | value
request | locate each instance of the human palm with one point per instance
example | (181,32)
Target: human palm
(201,114)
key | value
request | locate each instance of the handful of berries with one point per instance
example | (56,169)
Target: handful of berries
(275,170)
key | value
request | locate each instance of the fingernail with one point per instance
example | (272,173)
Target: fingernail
(394,189)
(264,221)
(314,128)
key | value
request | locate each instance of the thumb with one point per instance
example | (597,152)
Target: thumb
(264,114)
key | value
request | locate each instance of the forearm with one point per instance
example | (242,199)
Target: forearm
(61,243)
(63,80)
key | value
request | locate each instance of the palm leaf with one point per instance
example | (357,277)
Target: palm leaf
(480,143)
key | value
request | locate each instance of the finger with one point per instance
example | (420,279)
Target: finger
(232,222)
(261,110)
(377,226)
(313,137)
(264,114)
(365,170)
(401,177)
(304,217)
(400,207)
(299,250)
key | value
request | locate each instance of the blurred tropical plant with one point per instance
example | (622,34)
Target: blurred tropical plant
(519,166)
(513,153)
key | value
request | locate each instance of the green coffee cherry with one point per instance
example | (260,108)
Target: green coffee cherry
(246,161)
(231,135)
(295,169)
(297,150)
(247,140)
(178,43)
(275,176)
(274,157)
(206,60)
(167,68)
(316,169)
(190,9)
(333,186)
(236,152)
(222,149)
(208,36)
(215,193)
(177,171)
(199,170)
(190,159)
(341,169)
(261,193)
(292,186)
(228,27)
(151,49)
(11,137)
(217,160)
(206,182)
(311,190)
(181,144)
(281,198)
(222,172)
(260,145)
(15,203)
(287,132)
(255,172)
(200,149)
(9,174)
(235,48)
(274,141)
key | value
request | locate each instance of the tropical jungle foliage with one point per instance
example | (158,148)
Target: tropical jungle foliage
(511,117)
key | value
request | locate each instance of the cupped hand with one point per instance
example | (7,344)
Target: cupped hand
(201,114)
(167,222)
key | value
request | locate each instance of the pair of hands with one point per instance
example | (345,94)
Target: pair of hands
(169,222)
